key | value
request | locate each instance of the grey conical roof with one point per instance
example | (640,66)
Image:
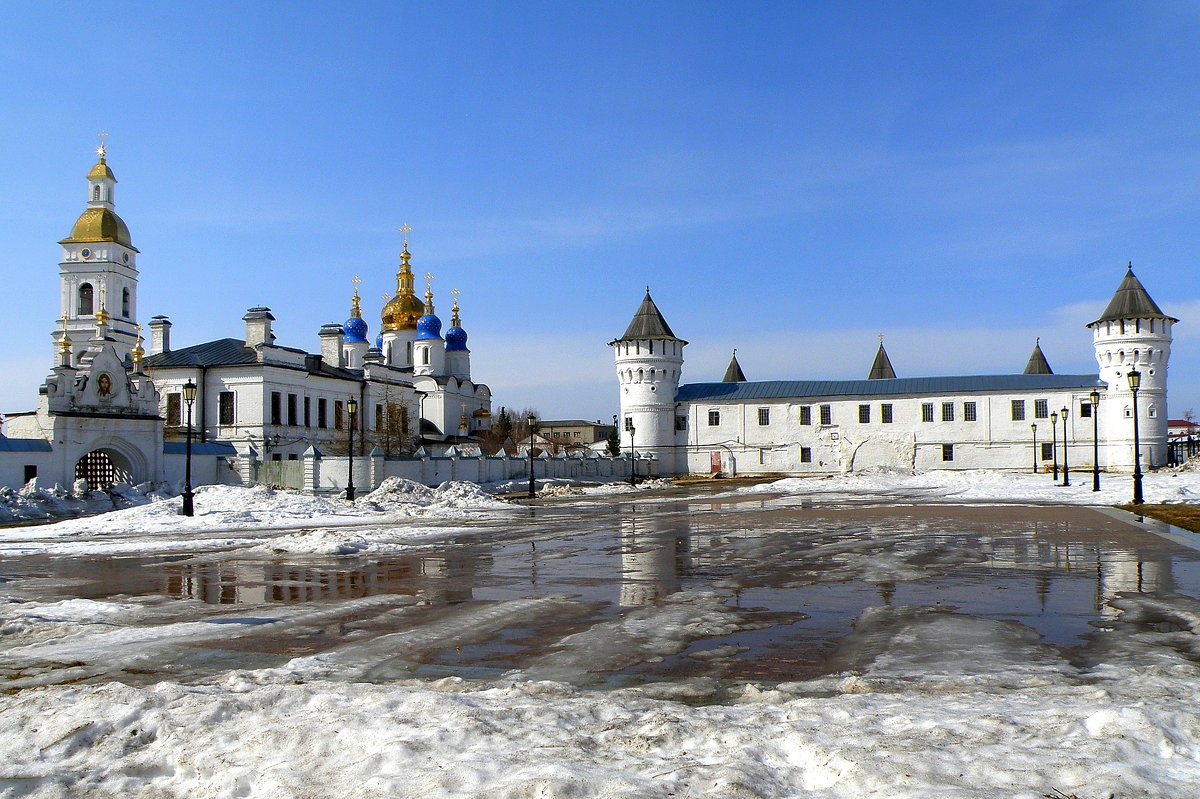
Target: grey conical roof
(1038,365)
(882,369)
(1131,301)
(648,322)
(734,373)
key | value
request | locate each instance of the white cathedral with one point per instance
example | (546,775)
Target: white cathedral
(112,412)
(1033,421)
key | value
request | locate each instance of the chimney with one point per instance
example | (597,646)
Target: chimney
(332,336)
(160,335)
(258,327)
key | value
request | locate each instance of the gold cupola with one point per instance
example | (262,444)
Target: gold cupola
(402,311)
(99,222)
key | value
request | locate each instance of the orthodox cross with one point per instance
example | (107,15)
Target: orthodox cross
(455,292)
(356,281)
(428,283)
(102,150)
(404,231)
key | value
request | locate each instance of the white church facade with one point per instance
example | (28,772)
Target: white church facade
(111,412)
(1033,420)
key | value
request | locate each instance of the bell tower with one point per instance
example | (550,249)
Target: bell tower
(1133,334)
(649,365)
(98,274)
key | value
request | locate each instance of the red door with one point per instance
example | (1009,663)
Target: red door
(714,462)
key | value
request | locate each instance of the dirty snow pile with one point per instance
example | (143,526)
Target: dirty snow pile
(929,703)
(31,502)
(984,486)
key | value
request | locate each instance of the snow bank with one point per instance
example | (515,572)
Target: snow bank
(984,486)
(30,502)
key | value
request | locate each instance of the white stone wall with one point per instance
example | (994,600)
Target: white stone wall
(993,440)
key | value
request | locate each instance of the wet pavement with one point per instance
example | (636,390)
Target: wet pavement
(601,592)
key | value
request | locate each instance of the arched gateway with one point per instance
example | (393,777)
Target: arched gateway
(102,468)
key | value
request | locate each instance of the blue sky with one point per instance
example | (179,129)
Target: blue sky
(790,179)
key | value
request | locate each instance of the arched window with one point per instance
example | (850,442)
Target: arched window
(424,356)
(124,303)
(408,353)
(85,299)
(95,193)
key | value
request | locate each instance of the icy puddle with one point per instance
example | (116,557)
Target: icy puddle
(608,593)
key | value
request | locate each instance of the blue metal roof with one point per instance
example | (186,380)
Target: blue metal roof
(24,445)
(199,448)
(802,389)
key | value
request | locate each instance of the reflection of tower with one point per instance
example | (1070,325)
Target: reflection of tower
(1120,571)
(449,578)
(650,554)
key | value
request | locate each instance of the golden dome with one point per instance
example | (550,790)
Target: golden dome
(101,172)
(402,313)
(99,224)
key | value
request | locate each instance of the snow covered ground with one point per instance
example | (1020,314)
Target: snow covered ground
(923,700)
(983,486)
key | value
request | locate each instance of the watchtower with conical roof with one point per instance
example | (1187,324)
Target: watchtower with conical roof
(98,274)
(649,359)
(1133,333)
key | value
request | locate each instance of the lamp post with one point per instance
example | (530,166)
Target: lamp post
(1135,382)
(531,421)
(1033,429)
(632,457)
(1095,398)
(189,396)
(1066,468)
(352,411)
(1054,442)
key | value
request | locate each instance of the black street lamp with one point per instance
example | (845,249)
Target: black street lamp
(189,396)
(1066,469)
(1054,443)
(1095,398)
(352,410)
(531,420)
(1135,382)
(632,457)
(1033,429)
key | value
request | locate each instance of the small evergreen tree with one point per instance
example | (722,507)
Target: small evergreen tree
(614,442)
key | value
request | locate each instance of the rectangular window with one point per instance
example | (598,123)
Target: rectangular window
(225,409)
(308,411)
(1085,410)
(714,418)
(806,454)
(864,414)
(291,408)
(969,412)
(764,417)
(322,412)
(339,411)
(805,414)
(826,414)
(926,411)
(628,423)
(1041,409)
(174,408)
(885,413)
(1048,451)
(276,408)
(947,452)
(680,423)
(947,411)
(1018,410)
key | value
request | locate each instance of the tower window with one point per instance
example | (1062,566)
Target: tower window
(805,414)
(927,412)
(864,414)
(95,192)
(628,423)
(885,413)
(85,299)
(1018,410)
(764,416)
(124,303)
(969,412)
(680,423)
(826,414)
(947,411)
(424,356)
(1041,409)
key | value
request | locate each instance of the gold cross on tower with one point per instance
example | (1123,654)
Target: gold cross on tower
(428,283)
(404,231)
(102,150)
(356,281)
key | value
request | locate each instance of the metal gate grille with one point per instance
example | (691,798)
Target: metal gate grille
(99,471)
(281,474)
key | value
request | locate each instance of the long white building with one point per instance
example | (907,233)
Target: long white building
(1016,421)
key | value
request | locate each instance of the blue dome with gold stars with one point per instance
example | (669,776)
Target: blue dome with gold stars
(429,328)
(456,339)
(355,330)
